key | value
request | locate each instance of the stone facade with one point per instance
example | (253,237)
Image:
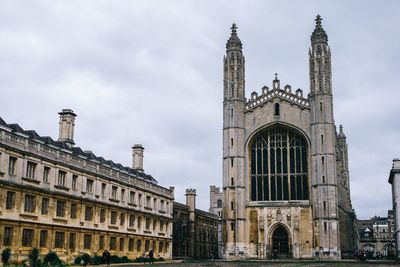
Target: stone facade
(57,197)
(394,180)
(285,168)
(376,236)
(195,232)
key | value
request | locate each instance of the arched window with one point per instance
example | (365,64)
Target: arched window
(276,109)
(219,203)
(279,165)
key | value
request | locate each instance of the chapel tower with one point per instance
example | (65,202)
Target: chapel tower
(323,141)
(233,144)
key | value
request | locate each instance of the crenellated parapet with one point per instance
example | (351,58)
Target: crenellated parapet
(268,95)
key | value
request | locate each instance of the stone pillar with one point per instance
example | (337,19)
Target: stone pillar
(66,127)
(191,202)
(137,157)
(394,180)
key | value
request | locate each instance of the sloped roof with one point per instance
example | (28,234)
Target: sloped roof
(15,128)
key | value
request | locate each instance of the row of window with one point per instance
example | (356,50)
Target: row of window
(61,181)
(61,206)
(27,240)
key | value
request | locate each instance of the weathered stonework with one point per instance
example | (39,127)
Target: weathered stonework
(56,197)
(285,169)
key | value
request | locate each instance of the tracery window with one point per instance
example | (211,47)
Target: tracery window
(278,166)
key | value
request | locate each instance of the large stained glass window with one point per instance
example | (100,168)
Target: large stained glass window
(278,165)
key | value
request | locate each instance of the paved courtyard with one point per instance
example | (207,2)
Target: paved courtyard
(256,263)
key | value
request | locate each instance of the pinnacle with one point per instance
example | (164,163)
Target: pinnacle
(319,35)
(234,42)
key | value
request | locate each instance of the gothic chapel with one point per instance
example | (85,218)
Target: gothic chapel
(285,167)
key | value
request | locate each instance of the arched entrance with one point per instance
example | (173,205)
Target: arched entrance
(280,242)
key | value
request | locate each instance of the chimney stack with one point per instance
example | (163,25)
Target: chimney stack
(66,128)
(137,157)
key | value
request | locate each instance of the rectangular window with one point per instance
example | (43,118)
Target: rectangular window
(45,206)
(10,202)
(147,245)
(131,197)
(139,222)
(131,244)
(103,189)
(75,182)
(122,244)
(139,245)
(231,141)
(89,186)
(61,178)
(122,195)
(231,162)
(154,224)
(232,181)
(131,220)
(102,215)
(232,226)
(160,246)
(59,240)
(122,219)
(8,236)
(113,218)
(113,243)
(322,139)
(325,227)
(148,223)
(88,213)
(30,203)
(324,205)
(114,190)
(27,237)
(101,242)
(87,241)
(148,199)
(43,238)
(140,200)
(12,166)
(72,241)
(46,172)
(155,203)
(74,210)
(162,205)
(232,205)
(60,211)
(30,170)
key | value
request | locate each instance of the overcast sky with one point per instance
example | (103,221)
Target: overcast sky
(150,72)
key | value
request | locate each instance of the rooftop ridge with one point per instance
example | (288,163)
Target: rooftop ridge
(76,151)
(268,95)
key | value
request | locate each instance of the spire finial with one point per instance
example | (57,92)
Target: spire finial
(234,28)
(276,76)
(318,20)
(319,35)
(234,42)
(341,133)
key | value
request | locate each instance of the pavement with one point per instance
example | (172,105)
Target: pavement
(261,263)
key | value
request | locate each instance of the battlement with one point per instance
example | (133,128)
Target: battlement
(284,94)
(190,191)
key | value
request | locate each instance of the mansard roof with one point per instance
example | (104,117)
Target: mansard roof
(77,151)
(284,94)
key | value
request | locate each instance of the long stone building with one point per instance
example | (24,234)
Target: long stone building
(285,167)
(55,196)
(195,232)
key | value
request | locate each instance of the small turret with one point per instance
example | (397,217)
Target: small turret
(341,135)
